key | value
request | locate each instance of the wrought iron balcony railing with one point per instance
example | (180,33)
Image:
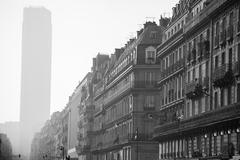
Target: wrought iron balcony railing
(223,76)
(197,87)
(171,69)
(194,90)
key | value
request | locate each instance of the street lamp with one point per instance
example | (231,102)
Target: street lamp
(136,139)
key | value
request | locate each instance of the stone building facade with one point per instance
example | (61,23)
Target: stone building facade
(125,99)
(207,124)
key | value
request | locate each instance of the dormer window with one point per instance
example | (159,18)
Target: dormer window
(153,35)
(150,57)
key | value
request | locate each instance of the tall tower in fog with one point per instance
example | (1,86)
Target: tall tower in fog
(36,73)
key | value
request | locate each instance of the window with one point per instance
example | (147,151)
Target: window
(149,101)
(215,100)
(130,103)
(166,63)
(238,92)
(149,78)
(150,55)
(180,53)
(230,58)
(153,34)
(231,19)
(223,58)
(229,94)
(223,23)
(238,13)
(222,97)
(217,29)
(216,62)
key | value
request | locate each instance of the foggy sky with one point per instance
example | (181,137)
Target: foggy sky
(81,29)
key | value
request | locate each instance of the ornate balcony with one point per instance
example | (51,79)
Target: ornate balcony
(173,68)
(223,76)
(120,90)
(194,89)
(230,33)
(201,122)
(223,38)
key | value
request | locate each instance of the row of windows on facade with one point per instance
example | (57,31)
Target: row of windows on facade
(202,70)
(221,24)
(172,58)
(197,106)
(128,59)
(149,79)
(123,154)
(221,58)
(150,58)
(221,97)
(117,110)
(172,90)
(201,146)
(174,29)
(180,23)
(123,108)
(123,129)
(198,72)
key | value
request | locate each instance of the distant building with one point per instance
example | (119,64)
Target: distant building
(5,147)
(11,129)
(85,123)
(36,73)
(76,100)
(46,142)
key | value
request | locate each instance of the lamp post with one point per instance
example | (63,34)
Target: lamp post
(136,139)
(179,118)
